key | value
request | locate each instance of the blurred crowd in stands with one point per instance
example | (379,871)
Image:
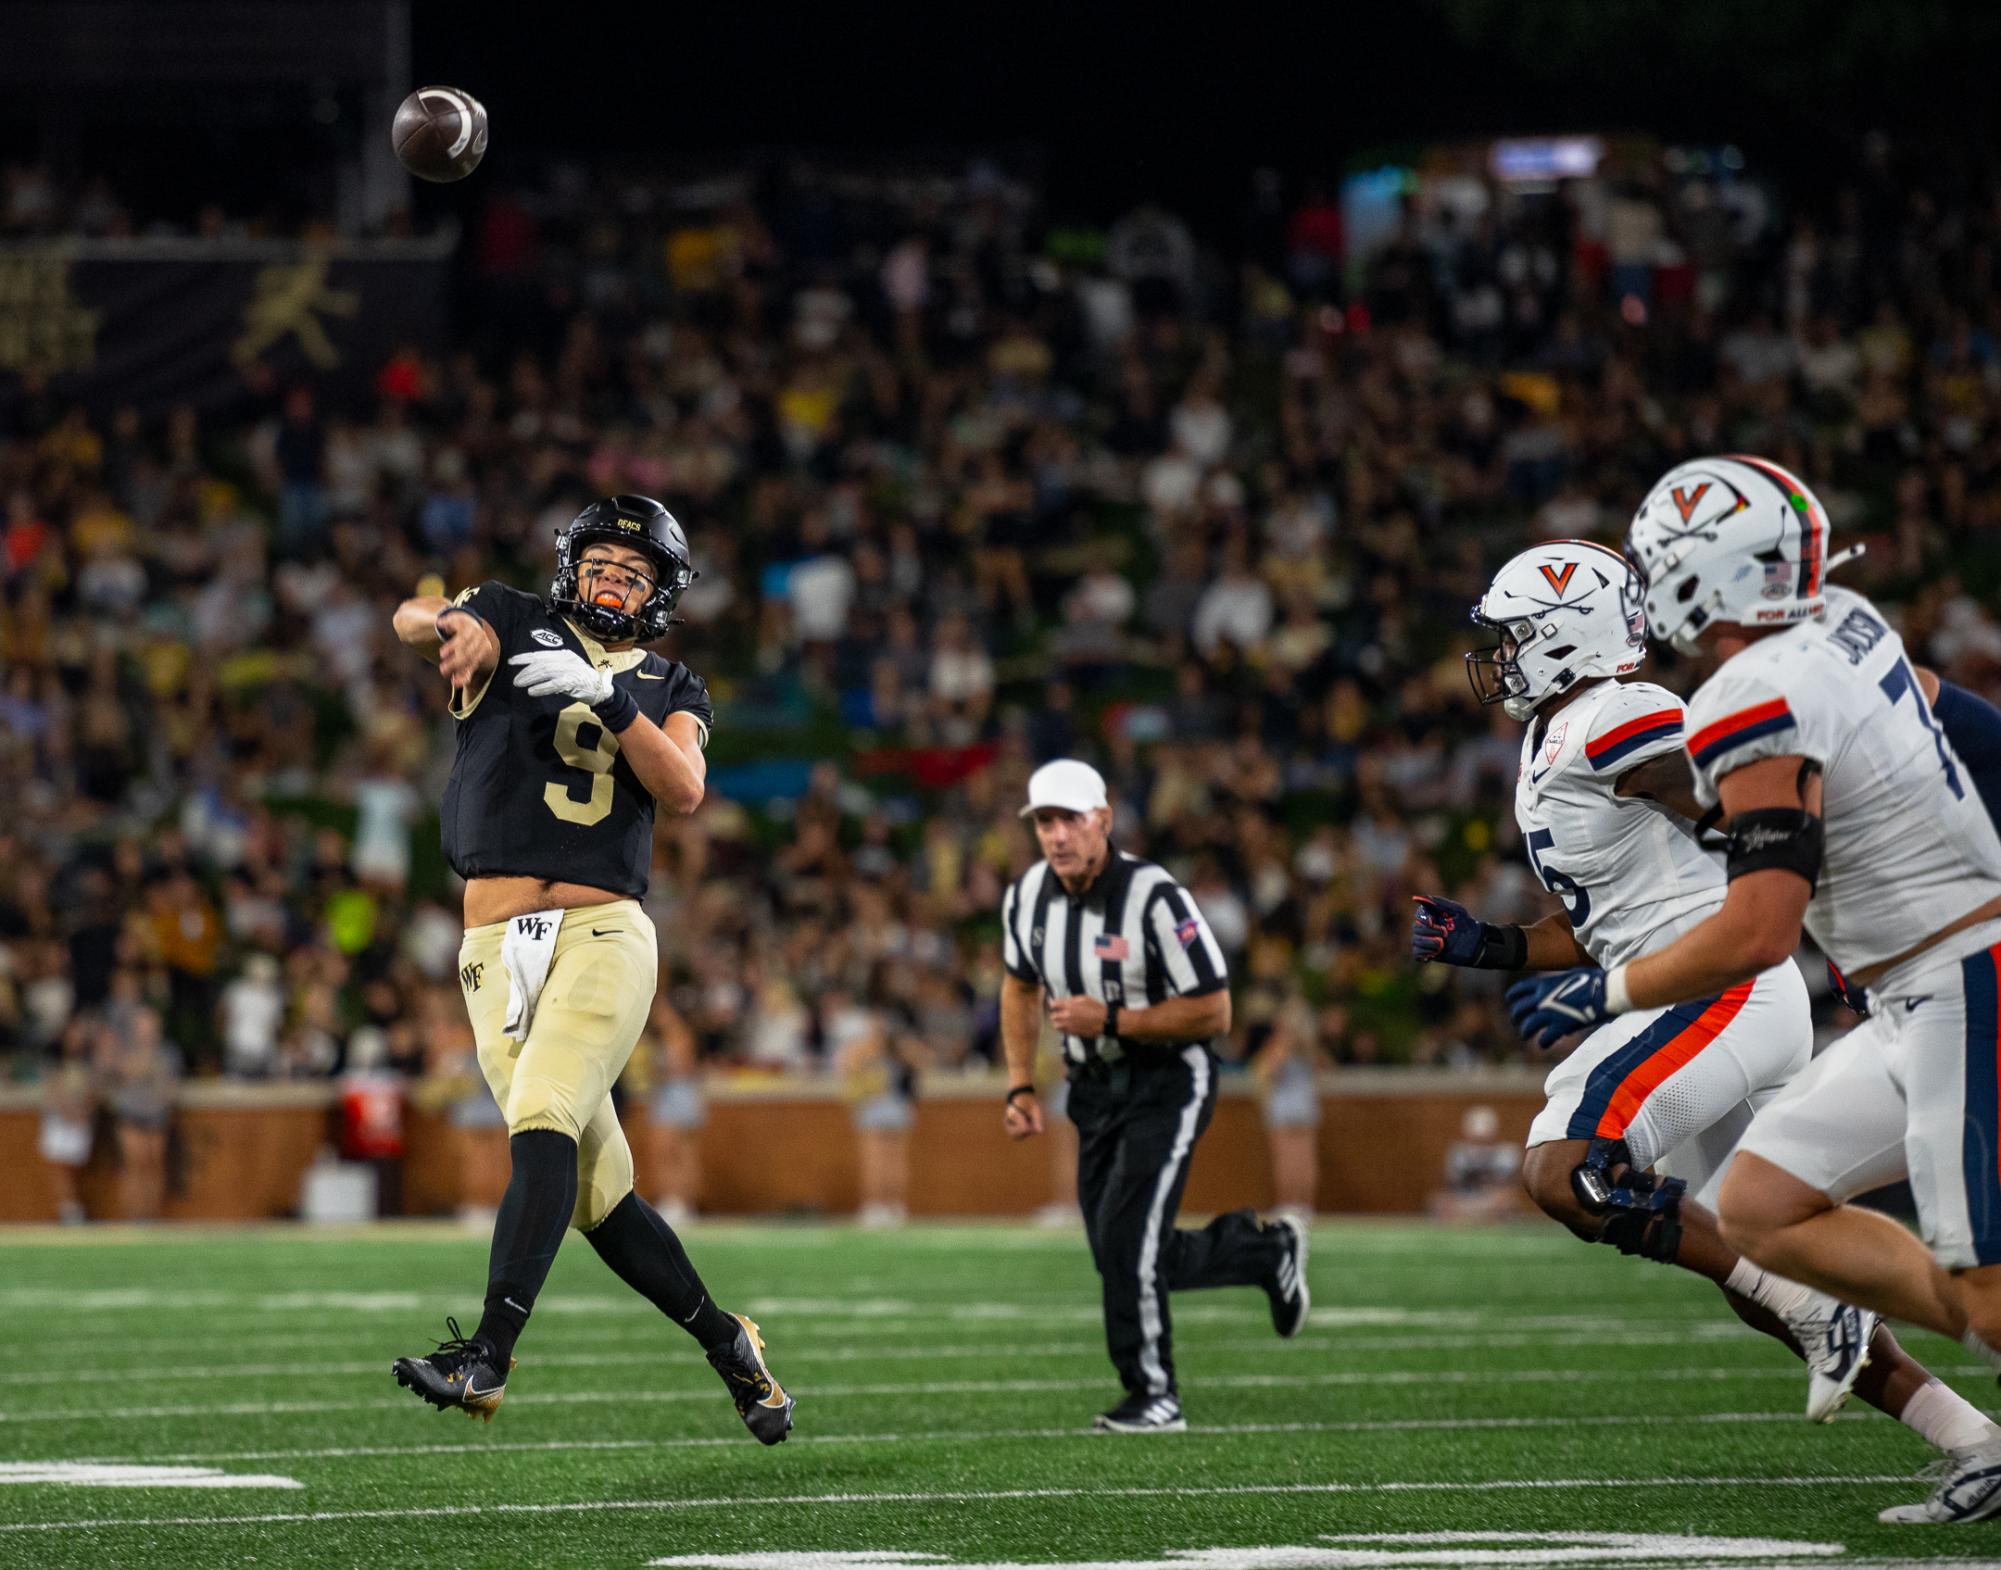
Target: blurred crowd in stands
(967,490)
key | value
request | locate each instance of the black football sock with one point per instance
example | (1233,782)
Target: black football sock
(541,1195)
(649,1258)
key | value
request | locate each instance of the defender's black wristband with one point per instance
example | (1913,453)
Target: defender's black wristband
(1501,948)
(1017,1090)
(1111,1020)
(617,711)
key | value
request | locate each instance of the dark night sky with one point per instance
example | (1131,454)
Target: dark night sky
(1180,102)
(1113,102)
(1121,106)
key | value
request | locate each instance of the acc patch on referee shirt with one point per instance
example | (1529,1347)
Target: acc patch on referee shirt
(1188,932)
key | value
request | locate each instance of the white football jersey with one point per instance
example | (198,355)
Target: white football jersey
(1631,873)
(1910,849)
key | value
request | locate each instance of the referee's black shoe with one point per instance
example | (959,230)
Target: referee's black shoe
(1286,1287)
(1143,1414)
(766,1410)
(462,1373)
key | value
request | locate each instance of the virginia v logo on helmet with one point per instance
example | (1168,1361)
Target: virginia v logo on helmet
(1565,611)
(1733,540)
(637,523)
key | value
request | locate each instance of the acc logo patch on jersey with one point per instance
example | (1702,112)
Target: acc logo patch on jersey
(1188,931)
(1553,743)
(548,639)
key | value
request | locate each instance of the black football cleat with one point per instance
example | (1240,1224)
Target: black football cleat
(1143,1414)
(462,1373)
(1286,1287)
(765,1409)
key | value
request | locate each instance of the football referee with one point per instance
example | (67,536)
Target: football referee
(1134,983)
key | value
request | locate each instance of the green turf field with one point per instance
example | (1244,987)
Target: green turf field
(1485,1384)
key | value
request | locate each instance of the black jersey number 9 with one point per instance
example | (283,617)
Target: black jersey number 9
(1576,899)
(595,760)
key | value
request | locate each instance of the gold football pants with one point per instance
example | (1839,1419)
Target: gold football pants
(599,991)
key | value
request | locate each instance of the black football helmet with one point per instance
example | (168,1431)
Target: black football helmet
(643,524)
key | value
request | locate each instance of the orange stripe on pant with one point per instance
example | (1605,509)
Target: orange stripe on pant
(1675,1054)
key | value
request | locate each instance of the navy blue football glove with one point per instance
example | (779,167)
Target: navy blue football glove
(1451,934)
(1855,997)
(1558,1003)
(1443,930)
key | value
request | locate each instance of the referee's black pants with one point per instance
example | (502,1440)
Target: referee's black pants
(1137,1123)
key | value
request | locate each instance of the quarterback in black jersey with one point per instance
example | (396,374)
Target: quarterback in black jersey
(569,735)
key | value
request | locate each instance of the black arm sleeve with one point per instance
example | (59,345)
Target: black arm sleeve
(1973,726)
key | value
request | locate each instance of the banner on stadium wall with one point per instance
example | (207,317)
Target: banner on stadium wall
(156,323)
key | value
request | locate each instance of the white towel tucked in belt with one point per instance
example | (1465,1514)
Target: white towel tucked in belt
(526,951)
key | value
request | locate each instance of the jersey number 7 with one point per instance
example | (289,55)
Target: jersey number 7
(1576,899)
(1895,685)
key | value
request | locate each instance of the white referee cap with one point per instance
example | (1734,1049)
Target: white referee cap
(1066,784)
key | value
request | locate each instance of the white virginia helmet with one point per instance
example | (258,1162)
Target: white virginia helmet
(1565,610)
(1732,539)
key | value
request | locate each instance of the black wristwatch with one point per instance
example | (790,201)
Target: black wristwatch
(1111,1020)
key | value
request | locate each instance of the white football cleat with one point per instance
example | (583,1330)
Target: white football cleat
(1834,1338)
(1969,1488)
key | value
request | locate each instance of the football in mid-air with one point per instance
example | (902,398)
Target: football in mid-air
(440,133)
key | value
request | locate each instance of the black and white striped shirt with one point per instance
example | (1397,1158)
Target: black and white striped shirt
(1134,936)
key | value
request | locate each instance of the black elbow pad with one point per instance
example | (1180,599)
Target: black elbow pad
(1788,838)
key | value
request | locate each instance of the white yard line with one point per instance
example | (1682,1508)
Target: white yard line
(97,1474)
(1384,1378)
(218,1308)
(754,1502)
(67,1303)
(977,1436)
(1347,1235)
(801,1350)
(153,1355)
(1068,1308)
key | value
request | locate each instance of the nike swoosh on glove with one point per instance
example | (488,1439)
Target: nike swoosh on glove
(1443,930)
(1549,1007)
(562,671)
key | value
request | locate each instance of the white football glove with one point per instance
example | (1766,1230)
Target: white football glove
(562,671)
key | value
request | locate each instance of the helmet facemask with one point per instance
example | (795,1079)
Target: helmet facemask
(1496,673)
(639,618)
(1678,618)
